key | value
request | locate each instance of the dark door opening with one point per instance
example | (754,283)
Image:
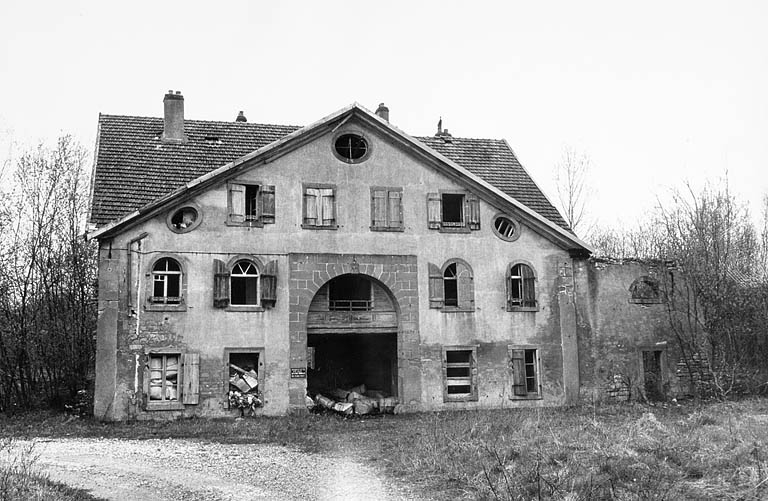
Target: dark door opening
(346,361)
(654,388)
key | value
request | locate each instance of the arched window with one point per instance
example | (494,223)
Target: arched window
(166,282)
(244,283)
(452,287)
(646,290)
(521,287)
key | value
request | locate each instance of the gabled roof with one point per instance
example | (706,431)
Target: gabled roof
(136,171)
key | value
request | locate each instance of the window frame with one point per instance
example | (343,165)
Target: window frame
(536,367)
(257,276)
(436,289)
(163,403)
(515,223)
(654,284)
(229,350)
(187,381)
(388,190)
(472,396)
(508,286)
(263,194)
(470,212)
(351,132)
(318,186)
(230,265)
(180,207)
(150,304)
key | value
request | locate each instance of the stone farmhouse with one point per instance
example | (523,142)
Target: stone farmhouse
(432,271)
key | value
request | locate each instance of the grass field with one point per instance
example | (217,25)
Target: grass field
(713,451)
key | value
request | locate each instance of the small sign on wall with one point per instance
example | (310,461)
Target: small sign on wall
(298,373)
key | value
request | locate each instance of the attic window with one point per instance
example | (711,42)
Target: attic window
(506,228)
(351,148)
(212,141)
(183,219)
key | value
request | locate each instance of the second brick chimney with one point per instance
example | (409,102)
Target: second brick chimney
(173,124)
(383,112)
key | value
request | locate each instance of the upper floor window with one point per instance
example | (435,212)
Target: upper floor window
(646,290)
(521,287)
(386,209)
(351,148)
(319,207)
(453,211)
(251,204)
(244,284)
(451,288)
(166,282)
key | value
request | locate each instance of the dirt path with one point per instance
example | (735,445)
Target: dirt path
(196,470)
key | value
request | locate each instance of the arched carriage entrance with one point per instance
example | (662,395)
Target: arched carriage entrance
(352,337)
(354,320)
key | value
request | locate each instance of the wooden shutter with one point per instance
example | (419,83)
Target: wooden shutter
(268,204)
(509,289)
(518,372)
(379,209)
(311,196)
(395,215)
(436,293)
(190,378)
(474,374)
(465,286)
(269,285)
(237,203)
(434,210)
(220,284)
(328,207)
(529,286)
(473,212)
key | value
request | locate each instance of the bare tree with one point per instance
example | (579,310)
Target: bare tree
(571,178)
(47,315)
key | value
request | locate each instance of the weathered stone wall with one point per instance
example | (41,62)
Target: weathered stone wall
(614,330)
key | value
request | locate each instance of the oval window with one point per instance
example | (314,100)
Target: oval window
(184,219)
(351,147)
(506,228)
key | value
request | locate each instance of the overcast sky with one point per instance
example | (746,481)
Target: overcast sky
(655,93)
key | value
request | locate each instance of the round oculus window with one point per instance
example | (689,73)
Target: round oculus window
(184,219)
(351,147)
(506,228)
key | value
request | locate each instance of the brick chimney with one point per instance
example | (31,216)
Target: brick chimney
(173,126)
(383,112)
(241,117)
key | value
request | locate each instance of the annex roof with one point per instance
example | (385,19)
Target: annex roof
(136,169)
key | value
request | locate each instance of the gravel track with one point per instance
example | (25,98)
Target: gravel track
(198,470)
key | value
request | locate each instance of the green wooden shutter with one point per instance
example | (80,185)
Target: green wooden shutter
(328,205)
(529,286)
(518,372)
(436,293)
(395,215)
(434,210)
(310,206)
(473,216)
(379,209)
(190,379)
(237,203)
(465,287)
(268,204)
(269,285)
(220,284)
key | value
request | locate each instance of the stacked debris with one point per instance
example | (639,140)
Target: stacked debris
(244,390)
(355,401)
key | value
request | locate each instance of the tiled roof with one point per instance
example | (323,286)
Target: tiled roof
(134,167)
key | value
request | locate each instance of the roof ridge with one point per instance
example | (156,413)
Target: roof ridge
(186,120)
(461,138)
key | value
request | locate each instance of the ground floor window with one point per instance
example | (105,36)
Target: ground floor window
(171,379)
(459,373)
(164,377)
(244,371)
(525,372)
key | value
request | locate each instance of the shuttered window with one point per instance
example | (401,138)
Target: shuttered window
(386,209)
(243,285)
(250,204)
(171,379)
(319,207)
(452,287)
(521,287)
(457,212)
(524,365)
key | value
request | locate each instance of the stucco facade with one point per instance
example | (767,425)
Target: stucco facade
(408,338)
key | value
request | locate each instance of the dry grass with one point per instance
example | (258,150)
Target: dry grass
(716,451)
